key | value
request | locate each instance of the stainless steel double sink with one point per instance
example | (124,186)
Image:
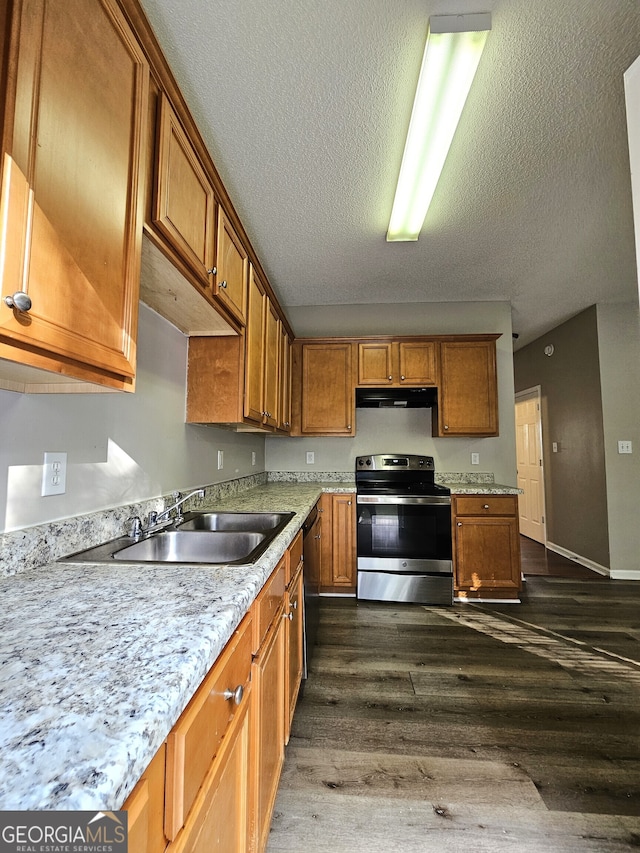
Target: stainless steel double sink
(212,538)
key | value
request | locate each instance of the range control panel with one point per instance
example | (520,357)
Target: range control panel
(390,462)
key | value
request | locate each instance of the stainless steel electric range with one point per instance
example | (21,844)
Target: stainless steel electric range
(403,539)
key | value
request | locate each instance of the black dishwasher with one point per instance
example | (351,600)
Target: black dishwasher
(311,531)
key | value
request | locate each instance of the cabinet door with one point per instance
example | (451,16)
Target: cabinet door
(271,366)
(221,820)
(375,364)
(328,399)
(468,396)
(254,349)
(284,408)
(145,807)
(294,647)
(338,552)
(487,555)
(417,363)
(232,265)
(184,203)
(72,188)
(268,686)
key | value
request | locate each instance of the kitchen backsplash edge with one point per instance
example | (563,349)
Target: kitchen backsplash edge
(31,547)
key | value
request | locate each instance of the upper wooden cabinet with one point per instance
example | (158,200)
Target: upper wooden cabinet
(72,195)
(284,410)
(242,381)
(323,389)
(397,363)
(232,268)
(184,205)
(468,388)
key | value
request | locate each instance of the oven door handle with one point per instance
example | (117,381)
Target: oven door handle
(426,500)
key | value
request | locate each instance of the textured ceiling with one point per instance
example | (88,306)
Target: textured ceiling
(304,106)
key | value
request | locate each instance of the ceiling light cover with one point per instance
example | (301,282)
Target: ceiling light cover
(451,56)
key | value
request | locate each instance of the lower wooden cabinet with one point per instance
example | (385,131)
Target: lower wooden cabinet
(486,542)
(145,807)
(294,611)
(268,708)
(212,785)
(338,544)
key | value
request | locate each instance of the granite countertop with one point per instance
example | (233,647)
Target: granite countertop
(99,661)
(482,489)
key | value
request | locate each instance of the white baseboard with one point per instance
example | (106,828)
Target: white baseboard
(582,561)
(625,575)
(487,601)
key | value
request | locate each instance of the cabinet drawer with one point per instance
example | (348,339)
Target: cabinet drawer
(268,603)
(294,557)
(196,737)
(486,505)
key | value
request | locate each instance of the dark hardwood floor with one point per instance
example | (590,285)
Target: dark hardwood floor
(473,727)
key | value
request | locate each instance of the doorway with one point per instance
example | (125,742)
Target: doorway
(530,464)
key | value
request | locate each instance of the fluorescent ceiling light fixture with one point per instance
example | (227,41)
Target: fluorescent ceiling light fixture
(451,56)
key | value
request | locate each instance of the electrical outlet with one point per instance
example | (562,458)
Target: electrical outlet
(475,458)
(220,460)
(311,457)
(253,457)
(54,474)
(625,447)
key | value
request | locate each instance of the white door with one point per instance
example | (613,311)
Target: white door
(530,467)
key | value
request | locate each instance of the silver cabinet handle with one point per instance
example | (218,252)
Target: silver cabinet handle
(236,694)
(486,506)
(20,300)
(389,378)
(223,284)
(288,616)
(403,378)
(459,524)
(446,427)
(212,271)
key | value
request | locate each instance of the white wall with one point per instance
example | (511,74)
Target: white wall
(121,447)
(632,103)
(619,348)
(407,431)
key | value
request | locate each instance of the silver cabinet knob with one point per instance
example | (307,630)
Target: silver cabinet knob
(288,616)
(446,427)
(486,506)
(223,284)
(389,378)
(236,694)
(20,300)
(212,271)
(403,378)
(459,524)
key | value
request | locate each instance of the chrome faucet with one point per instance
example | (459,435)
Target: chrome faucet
(159,520)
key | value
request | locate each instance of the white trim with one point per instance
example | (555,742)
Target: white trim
(625,575)
(487,601)
(582,561)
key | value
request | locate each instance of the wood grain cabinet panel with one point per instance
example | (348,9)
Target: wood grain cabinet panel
(72,191)
(397,363)
(325,390)
(184,200)
(338,544)
(145,807)
(232,269)
(486,547)
(197,736)
(468,390)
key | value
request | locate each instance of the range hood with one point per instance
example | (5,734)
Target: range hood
(396,398)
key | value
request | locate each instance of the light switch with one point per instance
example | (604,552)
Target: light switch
(625,447)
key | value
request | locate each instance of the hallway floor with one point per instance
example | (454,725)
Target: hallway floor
(470,728)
